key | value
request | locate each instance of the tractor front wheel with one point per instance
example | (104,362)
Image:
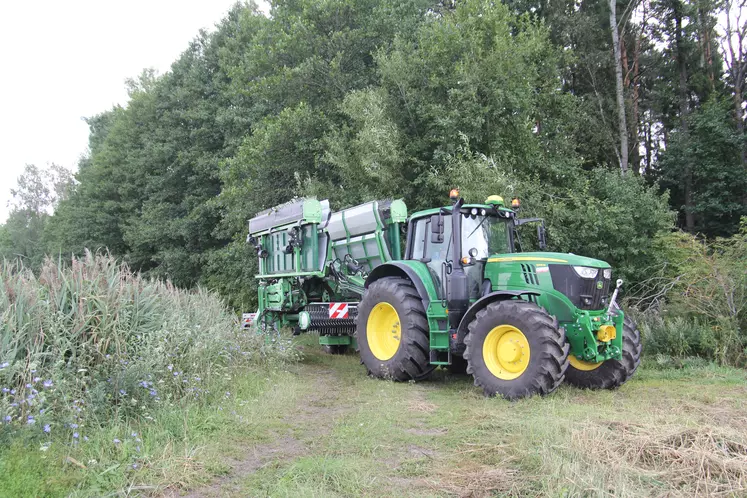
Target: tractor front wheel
(609,374)
(392,331)
(515,349)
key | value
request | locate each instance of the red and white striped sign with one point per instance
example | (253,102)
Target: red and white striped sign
(338,310)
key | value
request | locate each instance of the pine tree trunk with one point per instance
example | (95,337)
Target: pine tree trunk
(622,126)
(635,98)
(684,111)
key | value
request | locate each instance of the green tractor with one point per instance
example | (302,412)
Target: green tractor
(459,294)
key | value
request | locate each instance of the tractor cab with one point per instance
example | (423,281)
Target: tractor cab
(486,230)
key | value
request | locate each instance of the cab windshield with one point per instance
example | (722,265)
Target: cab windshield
(487,234)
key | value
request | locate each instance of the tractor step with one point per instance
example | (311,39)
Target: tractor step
(440,357)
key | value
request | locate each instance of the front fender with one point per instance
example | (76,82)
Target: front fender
(484,301)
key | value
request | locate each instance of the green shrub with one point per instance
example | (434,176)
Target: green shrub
(695,299)
(89,341)
(678,337)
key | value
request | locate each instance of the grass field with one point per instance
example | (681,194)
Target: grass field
(322,428)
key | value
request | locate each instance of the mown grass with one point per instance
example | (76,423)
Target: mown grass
(676,432)
(322,428)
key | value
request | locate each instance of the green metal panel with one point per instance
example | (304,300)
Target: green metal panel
(312,211)
(398,211)
(335,340)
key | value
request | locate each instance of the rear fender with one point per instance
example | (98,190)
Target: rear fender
(484,301)
(399,269)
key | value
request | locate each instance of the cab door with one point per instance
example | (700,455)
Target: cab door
(434,251)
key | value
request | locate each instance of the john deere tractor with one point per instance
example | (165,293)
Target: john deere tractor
(459,294)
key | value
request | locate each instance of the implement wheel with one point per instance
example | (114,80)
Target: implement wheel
(515,350)
(609,374)
(335,348)
(392,331)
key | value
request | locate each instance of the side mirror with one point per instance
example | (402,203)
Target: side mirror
(437,228)
(542,237)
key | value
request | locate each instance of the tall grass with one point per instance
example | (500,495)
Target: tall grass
(91,341)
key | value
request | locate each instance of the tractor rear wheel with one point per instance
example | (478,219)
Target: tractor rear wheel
(609,374)
(515,350)
(392,331)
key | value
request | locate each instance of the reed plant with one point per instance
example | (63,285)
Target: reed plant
(90,340)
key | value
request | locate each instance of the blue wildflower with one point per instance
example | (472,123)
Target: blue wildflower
(4,365)
(116,441)
(47,383)
(123,392)
(36,379)
(6,390)
(30,420)
(73,426)
(47,428)
(8,418)
(75,435)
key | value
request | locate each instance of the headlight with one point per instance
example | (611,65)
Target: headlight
(482,212)
(473,212)
(607,273)
(586,272)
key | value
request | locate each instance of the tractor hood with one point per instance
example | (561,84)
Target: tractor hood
(549,258)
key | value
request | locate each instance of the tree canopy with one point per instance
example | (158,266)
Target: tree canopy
(353,100)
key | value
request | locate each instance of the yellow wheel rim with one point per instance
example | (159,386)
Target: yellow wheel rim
(506,352)
(582,365)
(383,331)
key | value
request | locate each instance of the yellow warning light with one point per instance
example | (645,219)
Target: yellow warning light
(454,194)
(515,202)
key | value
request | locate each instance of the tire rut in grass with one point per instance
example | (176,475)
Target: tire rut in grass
(313,417)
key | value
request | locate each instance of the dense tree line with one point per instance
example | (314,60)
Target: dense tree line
(359,99)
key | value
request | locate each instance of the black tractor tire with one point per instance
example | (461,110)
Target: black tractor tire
(612,373)
(335,348)
(548,350)
(458,365)
(411,361)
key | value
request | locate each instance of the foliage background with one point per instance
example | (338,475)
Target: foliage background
(354,100)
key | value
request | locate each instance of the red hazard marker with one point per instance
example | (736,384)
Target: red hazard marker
(338,310)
